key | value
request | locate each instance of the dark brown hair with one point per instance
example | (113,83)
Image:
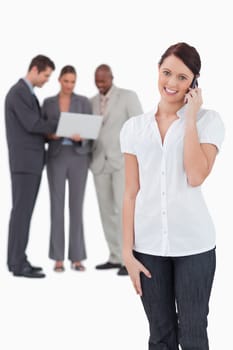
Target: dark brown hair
(186,53)
(67,69)
(41,62)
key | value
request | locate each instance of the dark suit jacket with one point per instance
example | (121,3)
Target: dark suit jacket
(50,110)
(25,129)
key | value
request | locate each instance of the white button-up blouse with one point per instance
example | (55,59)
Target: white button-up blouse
(171,217)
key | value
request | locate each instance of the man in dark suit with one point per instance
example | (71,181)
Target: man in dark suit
(25,130)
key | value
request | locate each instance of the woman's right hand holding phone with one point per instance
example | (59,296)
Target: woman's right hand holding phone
(193,102)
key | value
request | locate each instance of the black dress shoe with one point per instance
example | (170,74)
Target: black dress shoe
(108,265)
(122,271)
(28,272)
(35,268)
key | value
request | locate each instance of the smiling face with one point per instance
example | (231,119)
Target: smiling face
(67,82)
(175,79)
(103,80)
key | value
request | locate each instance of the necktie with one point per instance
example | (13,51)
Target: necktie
(37,102)
(103,104)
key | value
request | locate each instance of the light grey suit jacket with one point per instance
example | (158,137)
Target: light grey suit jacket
(122,105)
(50,110)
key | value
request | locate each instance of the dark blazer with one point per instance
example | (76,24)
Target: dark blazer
(25,129)
(50,110)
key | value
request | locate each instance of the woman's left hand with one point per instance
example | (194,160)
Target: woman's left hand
(76,138)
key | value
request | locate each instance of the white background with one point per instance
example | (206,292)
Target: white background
(96,310)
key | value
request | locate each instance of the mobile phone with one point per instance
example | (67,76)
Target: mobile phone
(194,83)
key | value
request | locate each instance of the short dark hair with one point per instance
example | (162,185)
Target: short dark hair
(41,62)
(186,53)
(67,69)
(105,67)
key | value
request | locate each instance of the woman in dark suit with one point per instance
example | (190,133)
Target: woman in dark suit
(67,159)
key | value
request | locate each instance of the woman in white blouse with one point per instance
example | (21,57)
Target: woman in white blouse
(169,237)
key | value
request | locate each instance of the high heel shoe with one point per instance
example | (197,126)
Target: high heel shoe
(59,268)
(77,266)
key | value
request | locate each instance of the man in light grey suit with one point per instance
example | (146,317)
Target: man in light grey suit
(116,105)
(25,129)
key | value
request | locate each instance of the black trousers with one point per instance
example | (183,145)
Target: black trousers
(25,188)
(176,299)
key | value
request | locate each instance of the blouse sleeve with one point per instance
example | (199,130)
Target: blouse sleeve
(127,137)
(212,129)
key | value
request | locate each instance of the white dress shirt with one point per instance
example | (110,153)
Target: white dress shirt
(171,217)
